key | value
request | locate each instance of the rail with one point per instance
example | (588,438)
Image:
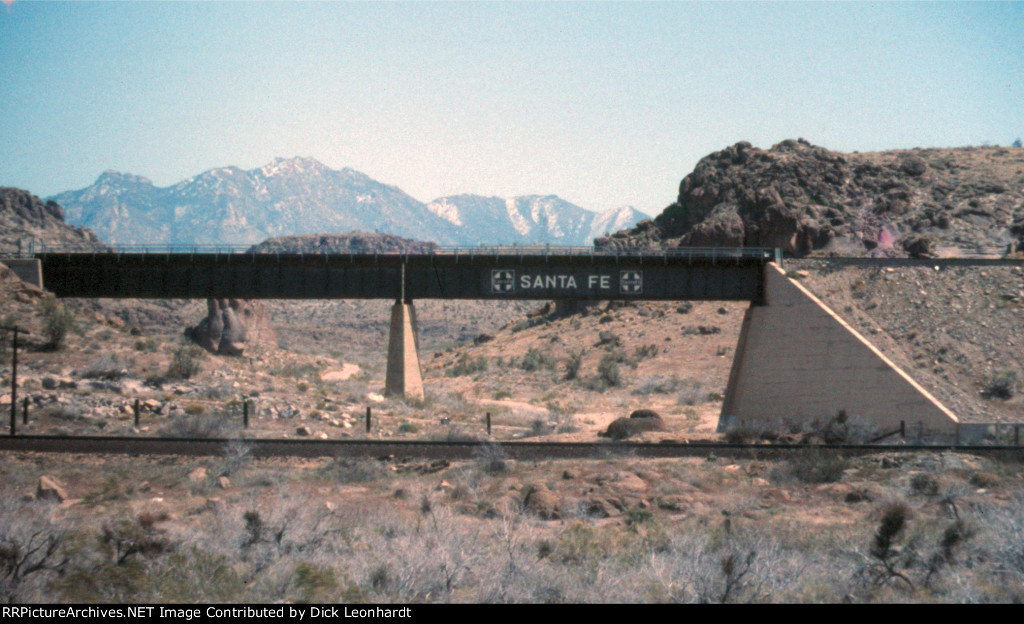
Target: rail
(262,447)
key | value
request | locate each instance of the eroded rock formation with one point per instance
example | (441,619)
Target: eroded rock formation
(230,325)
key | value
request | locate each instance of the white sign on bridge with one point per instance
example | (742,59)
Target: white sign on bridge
(504,281)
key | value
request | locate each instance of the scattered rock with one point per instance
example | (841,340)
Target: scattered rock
(50,489)
(542,502)
(197,476)
(638,422)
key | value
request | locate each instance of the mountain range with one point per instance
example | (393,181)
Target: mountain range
(293,196)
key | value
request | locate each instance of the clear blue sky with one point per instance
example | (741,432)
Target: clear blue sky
(604,104)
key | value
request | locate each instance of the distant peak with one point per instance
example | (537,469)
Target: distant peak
(116,177)
(295,163)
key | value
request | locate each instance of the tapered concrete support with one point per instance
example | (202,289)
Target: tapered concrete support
(28,270)
(403,375)
(797,361)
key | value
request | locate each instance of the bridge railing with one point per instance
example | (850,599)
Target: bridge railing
(724,253)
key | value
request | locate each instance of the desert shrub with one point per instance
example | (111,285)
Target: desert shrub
(741,434)
(314,583)
(521,325)
(186,361)
(1001,386)
(645,351)
(539,427)
(110,366)
(296,370)
(572,365)
(984,480)
(566,423)
(924,484)
(536,360)
(818,466)
(71,412)
(492,459)
(608,371)
(502,394)
(182,574)
(149,345)
(32,550)
(58,320)
(467,365)
(351,470)
(691,392)
(408,427)
(657,385)
(199,425)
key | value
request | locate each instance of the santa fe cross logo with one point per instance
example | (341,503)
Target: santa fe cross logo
(502,281)
(631,282)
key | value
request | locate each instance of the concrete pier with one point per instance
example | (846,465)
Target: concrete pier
(403,373)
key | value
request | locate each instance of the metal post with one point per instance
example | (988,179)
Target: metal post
(14,382)
(1016,435)
(903,429)
(488,423)
(24,411)
(135,409)
(245,414)
(367,419)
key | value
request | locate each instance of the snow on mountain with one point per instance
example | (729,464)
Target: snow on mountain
(292,196)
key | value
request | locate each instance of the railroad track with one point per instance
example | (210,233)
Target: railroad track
(408,449)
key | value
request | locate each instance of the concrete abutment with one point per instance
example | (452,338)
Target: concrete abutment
(798,362)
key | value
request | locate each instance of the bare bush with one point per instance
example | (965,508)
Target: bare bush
(32,550)
(199,425)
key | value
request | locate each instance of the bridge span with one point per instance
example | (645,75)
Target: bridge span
(501,273)
(797,361)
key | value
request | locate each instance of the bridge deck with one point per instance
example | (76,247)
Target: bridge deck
(718,274)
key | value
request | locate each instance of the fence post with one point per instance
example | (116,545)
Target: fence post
(903,429)
(245,413)
(24,411)
(136,409)
(14,382)
(1016,435)
(488,423)
(367,419)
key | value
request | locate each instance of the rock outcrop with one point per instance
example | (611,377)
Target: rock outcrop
(349,242)
(230,325)
(805,199)
(27,222)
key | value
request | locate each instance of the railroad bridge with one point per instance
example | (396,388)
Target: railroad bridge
(796,360)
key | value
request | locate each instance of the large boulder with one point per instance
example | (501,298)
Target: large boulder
(638,422)
(229,325)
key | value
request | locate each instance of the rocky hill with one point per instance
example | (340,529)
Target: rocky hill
(805,199)
(25,220)
(352,242)
(303,196)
